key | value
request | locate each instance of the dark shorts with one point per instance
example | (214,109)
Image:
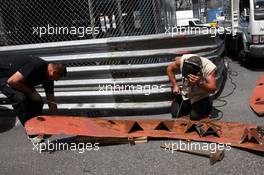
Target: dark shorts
(197,110)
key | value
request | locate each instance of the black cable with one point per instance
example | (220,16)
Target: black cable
(222,105)
(230,73)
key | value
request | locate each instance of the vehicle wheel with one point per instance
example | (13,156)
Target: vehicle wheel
(238,52)
(243,58)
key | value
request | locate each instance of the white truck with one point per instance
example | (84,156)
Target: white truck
(192,22)
(185,18)
(247,21)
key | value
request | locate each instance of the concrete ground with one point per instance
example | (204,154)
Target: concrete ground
(18,157)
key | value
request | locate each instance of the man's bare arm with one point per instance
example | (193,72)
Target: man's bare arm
(170,72)
(16,81)
(209,84)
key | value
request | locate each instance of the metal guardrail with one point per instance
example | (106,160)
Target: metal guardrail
(132,61)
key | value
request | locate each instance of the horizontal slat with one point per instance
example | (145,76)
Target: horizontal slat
(116,67)
(103,93)
(148,105)
(125,54)
(94,42)
(140,80)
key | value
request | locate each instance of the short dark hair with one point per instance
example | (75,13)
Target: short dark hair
(61,68)
(192,65)
(196,60)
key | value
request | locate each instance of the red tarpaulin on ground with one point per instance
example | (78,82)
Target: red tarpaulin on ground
(257,98)
(183,129)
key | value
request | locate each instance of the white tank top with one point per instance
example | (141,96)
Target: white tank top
(195,93)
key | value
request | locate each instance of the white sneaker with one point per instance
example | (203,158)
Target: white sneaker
(36,139)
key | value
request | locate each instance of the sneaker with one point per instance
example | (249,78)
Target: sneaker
(216,114)
(36,139)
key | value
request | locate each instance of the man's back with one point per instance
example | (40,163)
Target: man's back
(32,68)
(11,64)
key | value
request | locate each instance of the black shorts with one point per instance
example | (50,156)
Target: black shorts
(197,110)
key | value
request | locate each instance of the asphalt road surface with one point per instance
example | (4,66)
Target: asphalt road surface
(18,157)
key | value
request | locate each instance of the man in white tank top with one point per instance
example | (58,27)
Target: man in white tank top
(199,81)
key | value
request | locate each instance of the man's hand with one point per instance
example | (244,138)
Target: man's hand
(176,90)
(194,80)
(34,96)
(53,107)
(52,103)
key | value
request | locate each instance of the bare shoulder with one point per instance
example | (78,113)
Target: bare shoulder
(178,61)
(212,73)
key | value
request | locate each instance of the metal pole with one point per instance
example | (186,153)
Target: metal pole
(155,14)
(120,19)
(91,14)
(2,30)
(176,22)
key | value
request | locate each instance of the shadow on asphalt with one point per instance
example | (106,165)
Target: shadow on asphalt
(253,152)
(252,64)
(7,122)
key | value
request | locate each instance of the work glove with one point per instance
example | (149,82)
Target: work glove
(34,96)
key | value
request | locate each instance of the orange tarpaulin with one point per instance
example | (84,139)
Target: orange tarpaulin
(183,129)
(257,98)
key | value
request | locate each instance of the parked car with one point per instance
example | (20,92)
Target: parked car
(192,22)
